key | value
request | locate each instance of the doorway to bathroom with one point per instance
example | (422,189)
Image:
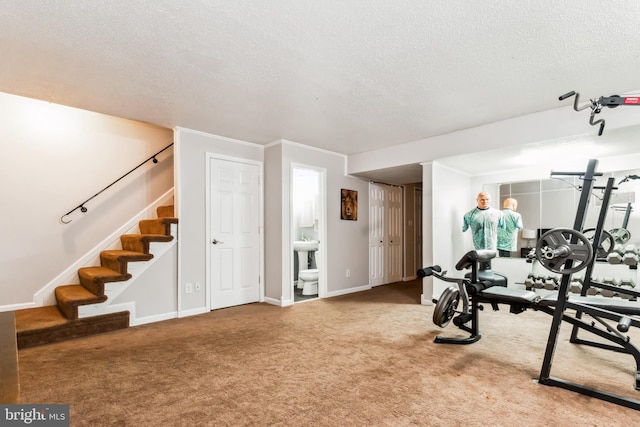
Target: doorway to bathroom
(308,232)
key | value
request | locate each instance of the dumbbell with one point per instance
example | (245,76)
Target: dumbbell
(575,287)
(538,283)
(630,256)
(615,256)
(608,292)
(593,290)
(611,281)
(627,283)
(551,283)
(529,282)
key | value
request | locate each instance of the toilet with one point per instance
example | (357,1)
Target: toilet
(307,277)
(308,281)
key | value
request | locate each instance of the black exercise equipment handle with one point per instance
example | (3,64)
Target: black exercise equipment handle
(573,173)
(595,106)
(566,95)
(428,271)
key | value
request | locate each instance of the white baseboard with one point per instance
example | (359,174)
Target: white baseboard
(152,319)
(348,291)
(193,312)
(279,303)
(15,307)
(425,301)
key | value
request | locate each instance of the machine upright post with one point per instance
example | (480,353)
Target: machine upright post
(578,225)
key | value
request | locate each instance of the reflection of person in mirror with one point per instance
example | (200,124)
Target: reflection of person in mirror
(484,222)
(508,235)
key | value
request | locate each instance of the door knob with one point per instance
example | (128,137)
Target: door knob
(215,242)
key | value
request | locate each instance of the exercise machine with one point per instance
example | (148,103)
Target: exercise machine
(563,251)
(596,106)
(479,286)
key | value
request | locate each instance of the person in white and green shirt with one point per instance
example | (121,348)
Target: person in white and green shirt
(508,235)
(484,222)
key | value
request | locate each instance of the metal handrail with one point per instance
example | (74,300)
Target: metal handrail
(81,206)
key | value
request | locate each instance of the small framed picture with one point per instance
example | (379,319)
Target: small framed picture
(349,205)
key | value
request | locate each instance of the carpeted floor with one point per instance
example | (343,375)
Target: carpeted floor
(364,359)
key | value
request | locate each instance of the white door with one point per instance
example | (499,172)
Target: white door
(394,234)
(235,234)
(377,246)
(385,234)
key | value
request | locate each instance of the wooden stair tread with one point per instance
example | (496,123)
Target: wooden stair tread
(128,255)
(77,294)
(157,225)
(141,242)
(60,329)
(150,237)
(165,211)
(100,272)
(94,278)
(119,259)
(31,319)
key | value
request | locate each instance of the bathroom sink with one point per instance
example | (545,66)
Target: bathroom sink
(305,245)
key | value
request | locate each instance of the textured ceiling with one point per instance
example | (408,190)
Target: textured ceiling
(343,75)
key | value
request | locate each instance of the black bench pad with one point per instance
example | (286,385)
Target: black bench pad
(504,295)
(621,306)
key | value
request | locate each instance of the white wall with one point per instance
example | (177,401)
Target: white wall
(409,240)
(427,230)
(347,241)
(451,200)
(53,158)
(192,148)
(274,225)
(545,126)
(155,292)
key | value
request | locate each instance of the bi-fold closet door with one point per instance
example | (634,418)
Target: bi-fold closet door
(385,234)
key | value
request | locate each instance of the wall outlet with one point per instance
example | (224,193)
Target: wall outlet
(197,287)
(348,273)
(188,288)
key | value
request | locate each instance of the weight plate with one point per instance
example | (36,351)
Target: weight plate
(446,306)
(620,235)
(556,252)
(607,242)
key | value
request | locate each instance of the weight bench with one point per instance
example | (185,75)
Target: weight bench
(563,251)
(483,286)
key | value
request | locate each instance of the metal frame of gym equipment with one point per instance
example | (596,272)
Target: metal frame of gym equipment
(563,303)
(562,258)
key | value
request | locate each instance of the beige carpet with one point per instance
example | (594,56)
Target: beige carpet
(365,359)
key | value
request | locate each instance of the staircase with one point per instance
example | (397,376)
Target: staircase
(49,324)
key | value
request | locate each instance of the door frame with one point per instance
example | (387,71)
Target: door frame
(418,227)
(208,237)
(321,253)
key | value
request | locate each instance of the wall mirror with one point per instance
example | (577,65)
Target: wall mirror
(551,203)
